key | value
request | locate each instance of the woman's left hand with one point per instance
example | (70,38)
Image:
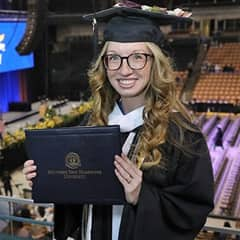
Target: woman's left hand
(129,176)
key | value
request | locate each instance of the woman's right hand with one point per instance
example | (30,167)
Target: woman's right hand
(29,171)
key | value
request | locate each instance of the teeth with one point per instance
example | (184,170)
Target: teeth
(126,81)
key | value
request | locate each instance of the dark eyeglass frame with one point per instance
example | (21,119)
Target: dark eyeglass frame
(104,59)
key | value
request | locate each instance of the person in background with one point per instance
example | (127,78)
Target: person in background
(133,85)
(19,229)
(2,126)
(6,179)
(218,139)
(238,227)
(39,232)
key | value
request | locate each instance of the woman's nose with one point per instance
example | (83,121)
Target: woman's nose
(125,69)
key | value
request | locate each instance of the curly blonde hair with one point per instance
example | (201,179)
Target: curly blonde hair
(160,102)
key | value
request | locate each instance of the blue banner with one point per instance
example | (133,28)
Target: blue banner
(11,33)
(9,89)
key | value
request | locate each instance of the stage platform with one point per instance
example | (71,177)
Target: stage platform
(15,120)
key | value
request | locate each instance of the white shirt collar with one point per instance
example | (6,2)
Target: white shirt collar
(127,122)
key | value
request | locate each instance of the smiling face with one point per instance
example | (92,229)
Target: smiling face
(127,82)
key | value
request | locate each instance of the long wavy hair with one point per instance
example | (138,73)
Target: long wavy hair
(161,102)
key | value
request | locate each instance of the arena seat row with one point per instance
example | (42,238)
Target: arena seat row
(227,53)
(221,86)
(225,162)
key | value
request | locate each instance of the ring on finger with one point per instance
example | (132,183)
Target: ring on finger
(129,179)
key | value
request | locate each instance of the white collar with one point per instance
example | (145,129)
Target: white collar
(127,122)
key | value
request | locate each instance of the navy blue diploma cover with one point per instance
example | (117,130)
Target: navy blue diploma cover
(75,165)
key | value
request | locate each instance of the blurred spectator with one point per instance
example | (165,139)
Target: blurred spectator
(218,140)
(6,179)
(217,68)
(211,68)
(24,212)
(228,68)
(204,67)
(222,236)
(40,232)
(44,214)
(40,213)
(19,229)
(2,126)
(238,227)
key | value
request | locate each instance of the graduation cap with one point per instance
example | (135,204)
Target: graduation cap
(130,24)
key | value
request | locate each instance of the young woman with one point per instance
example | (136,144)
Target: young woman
(166,169)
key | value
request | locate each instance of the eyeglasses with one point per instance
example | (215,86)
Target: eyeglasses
(136,61)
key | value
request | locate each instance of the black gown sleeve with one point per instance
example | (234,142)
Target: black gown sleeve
(174,202)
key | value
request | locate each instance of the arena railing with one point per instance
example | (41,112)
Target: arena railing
(9,218)
(209,226)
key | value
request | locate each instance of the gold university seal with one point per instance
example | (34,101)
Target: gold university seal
(72,160)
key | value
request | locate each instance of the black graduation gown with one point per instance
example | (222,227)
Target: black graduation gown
(175,198)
